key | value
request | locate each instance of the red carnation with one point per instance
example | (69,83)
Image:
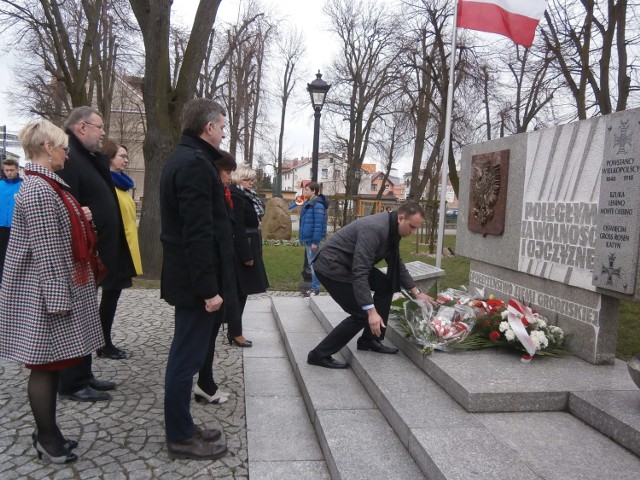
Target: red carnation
(493,336)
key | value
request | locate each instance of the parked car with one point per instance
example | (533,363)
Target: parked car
(452,214)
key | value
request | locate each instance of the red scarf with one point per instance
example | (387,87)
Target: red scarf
(227,197)
(83,238)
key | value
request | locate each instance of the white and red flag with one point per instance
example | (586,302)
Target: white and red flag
(516,19)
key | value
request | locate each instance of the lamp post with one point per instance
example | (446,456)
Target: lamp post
(318,92)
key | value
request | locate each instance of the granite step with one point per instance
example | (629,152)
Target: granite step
(356,439)
(430,417)
(281,441)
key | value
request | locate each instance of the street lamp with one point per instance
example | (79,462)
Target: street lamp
(318,92)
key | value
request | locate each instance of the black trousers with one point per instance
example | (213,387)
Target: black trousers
(358,319)
(235,321)
(192,332)
(5,232)
(75,378)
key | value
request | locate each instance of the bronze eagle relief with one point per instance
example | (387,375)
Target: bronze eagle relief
(488,192)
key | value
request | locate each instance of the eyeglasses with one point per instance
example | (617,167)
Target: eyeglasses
(66,149)
(123,155)
(250,180)
(99,127)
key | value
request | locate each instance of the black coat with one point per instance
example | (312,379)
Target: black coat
(248,245)
(196,236)
(89,177)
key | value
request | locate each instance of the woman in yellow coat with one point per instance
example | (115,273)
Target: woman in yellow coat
(118,161)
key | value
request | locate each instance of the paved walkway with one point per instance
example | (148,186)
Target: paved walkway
(124,438)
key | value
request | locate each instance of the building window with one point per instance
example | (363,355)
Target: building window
(374,187)
(325,173)
(337,174)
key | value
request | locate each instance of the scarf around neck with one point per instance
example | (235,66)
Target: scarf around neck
(122,181)
(83,238)
(258,205)
(393,257)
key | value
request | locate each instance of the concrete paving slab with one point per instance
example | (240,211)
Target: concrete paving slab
(615,414)
(506,384)
(558,446)
(290,470)
(295,314)
(361,445)
(269,377)
(280,430)
(269,344)
(466,454)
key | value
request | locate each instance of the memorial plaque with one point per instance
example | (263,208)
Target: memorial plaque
(488,192)
(616,255)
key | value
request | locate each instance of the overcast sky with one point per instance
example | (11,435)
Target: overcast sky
(307,17)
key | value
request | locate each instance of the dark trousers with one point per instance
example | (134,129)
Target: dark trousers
(5,232)
(192,333)
(75,378)
(205,376)
(358,319)
(108,306)
(235,321)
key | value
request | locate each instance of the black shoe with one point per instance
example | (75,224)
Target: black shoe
(87,394)
(326,362)
(68,443)
(102,385)
(209,435)
(375,346)
(111,352)
(196,449)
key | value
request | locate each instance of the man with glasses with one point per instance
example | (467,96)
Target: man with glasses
(345,265)
(87,173)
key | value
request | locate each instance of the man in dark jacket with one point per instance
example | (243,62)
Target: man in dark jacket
(345,266)
(87,173)
(197,268)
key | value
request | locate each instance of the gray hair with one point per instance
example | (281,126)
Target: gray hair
(80,114)
(197,113)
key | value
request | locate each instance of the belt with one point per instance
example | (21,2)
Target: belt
(252,230)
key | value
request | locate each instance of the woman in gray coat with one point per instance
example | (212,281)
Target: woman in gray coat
(48,301)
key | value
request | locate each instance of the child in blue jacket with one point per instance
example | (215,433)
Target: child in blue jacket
(313,227)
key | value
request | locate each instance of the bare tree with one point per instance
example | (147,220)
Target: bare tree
(74,49)
(290,50)
(364,73)
(590,43)
(163,104)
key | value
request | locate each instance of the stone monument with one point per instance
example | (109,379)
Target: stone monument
(276,223)
(570,243)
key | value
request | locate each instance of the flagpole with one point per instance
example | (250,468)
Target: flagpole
(447,140)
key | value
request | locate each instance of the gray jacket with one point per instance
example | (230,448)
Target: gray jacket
(351,253)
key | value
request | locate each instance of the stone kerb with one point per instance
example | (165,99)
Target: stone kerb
(555,250)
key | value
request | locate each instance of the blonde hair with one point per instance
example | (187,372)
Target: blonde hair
(35,134)
(244,172)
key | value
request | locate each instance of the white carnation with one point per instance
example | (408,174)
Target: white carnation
(509,335)
(504,326)
(539,339)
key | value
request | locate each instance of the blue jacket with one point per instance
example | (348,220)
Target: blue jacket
(8,191)
(313,220)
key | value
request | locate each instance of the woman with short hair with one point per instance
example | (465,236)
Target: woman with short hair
(248,210)
(48,301)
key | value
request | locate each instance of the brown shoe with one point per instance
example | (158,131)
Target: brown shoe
(195,448)
(208,435)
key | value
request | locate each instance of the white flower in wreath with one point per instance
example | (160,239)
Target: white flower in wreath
(504,326)
(509,335)
(539,339)
(505,314)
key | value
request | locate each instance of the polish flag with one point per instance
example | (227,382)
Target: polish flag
(516,19)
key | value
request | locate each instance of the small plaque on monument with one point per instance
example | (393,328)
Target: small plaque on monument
(616,256)
(488,192)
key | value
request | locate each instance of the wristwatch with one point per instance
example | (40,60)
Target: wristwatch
(417,291)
